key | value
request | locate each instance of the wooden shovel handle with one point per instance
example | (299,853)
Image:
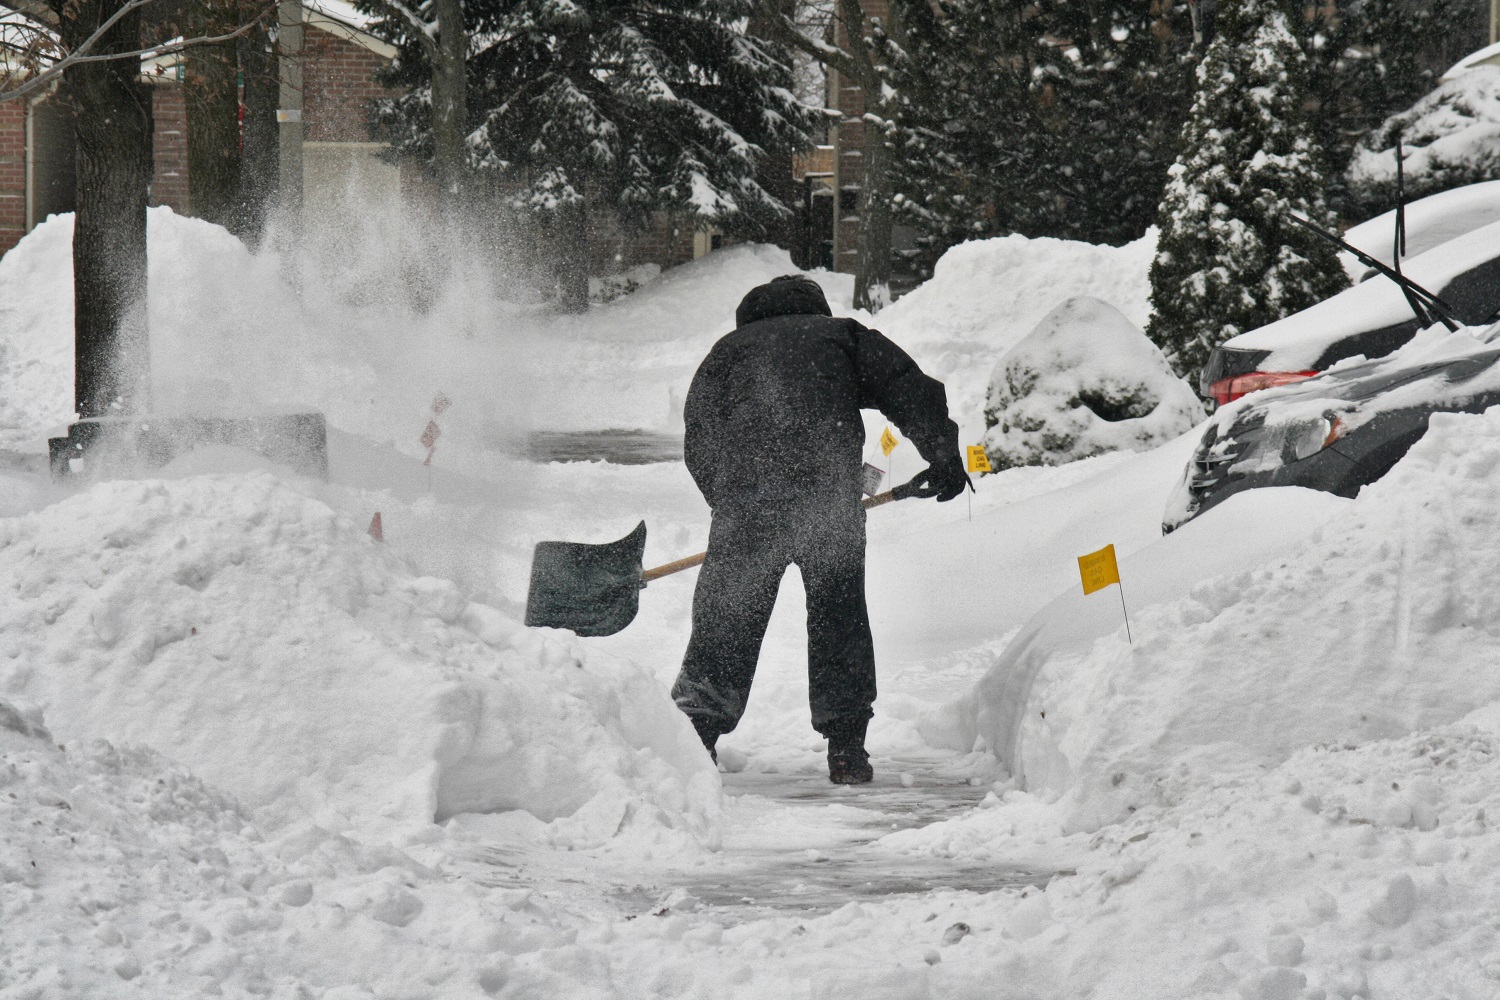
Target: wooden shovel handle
(667,569)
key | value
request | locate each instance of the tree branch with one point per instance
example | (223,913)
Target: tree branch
(426,30)
(82,53)
(829,55)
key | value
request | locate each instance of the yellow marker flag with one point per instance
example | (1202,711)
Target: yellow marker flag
(1098,569)
(978,460)
(888,441)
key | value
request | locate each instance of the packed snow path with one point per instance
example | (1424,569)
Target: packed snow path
(794,844)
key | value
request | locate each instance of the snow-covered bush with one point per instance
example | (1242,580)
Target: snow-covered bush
(1451,138)
(1084,382)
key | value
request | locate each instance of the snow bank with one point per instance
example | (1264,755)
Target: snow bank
(1348,871)
(270,645)
(1084,382)
(1382,623)
(131,877)
(1451,137)
(986,295)
(36,336)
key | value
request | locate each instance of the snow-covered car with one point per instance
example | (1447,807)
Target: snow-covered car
(1374,317)
(1340,430)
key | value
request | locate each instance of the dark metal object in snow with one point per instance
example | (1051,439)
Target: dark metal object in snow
(1422,301)
(618,447)
(130,445)
(595,589)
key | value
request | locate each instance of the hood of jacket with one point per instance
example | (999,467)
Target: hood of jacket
(789,295)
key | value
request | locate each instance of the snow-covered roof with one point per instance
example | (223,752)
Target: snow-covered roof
(346,21)
(1487,56)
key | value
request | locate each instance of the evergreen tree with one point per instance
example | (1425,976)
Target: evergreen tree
(627,106)
(1229,259)
(1044,118)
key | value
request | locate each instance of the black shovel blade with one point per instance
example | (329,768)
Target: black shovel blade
(590,589)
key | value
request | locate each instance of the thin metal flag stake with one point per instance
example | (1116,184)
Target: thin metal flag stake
(1121,588)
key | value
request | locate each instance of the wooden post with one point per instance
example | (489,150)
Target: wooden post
(289,110)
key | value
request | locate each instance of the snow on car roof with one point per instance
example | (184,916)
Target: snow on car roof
(1430,221)
(1297,341)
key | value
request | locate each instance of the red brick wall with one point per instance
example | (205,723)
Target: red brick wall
(169,180)
(338,80)
(12,173)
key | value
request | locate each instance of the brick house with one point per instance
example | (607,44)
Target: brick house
(845,173)
(342,168)
(12,173)
(340,59)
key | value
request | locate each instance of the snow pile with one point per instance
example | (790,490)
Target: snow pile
(1084,382)
(1383,623)
(275,649)
(1348,871)
(238,332)
(1451,137)
(986,295)
(131,877)
(36,345)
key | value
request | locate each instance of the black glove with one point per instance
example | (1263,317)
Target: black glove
(944,480)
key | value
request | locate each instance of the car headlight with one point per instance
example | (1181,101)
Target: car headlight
(1268,448)
(1306,438)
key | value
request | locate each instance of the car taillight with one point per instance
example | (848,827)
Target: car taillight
(1227,390)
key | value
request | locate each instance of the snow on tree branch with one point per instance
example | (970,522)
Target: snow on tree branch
(33,58)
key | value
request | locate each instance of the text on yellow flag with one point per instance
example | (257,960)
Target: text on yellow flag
(1098,569)
(978,460)
(888,441)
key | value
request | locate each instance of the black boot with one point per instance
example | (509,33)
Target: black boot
(848,764)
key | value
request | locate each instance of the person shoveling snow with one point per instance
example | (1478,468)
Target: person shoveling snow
(773,440)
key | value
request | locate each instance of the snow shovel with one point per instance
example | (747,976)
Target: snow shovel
(595,589)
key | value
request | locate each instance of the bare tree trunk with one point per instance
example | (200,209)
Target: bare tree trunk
(872,276)
(213,104)
(872,273)
(258,158)
(572,250)
(112,127)
(450,105)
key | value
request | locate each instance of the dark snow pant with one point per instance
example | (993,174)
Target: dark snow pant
(748,551)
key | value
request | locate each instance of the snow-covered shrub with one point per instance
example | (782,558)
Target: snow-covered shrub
(1451,138)
(1084,382)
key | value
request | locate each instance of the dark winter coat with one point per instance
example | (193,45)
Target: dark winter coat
(773,412)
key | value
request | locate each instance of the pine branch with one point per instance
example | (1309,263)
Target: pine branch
(426,31)
(831,56)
